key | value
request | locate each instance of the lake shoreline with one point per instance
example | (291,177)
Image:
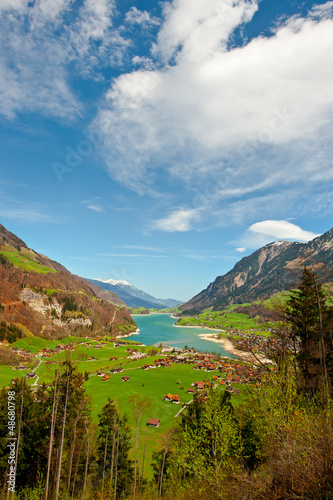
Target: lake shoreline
(137,332)
(209,335)
(229,347)
(197,326)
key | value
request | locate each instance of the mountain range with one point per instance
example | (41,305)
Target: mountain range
(132,296)
(271,269)
(40,296)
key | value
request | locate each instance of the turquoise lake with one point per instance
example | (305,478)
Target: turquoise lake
(158,328)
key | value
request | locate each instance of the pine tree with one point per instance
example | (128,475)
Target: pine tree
(31,434)
(310,316)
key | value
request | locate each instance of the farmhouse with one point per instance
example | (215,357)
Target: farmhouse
(199,385)
(152,422)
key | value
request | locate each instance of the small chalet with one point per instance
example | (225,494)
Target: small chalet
(191,390)
(116,370)
(199,385)
(125,379)
(31,375)
(153,422)
(175,399)
(168,397)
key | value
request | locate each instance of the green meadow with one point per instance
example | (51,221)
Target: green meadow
(26,260)
(150,385)
(225,320)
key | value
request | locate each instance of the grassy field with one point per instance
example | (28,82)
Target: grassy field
(151,385)
(26,260)
(225,320)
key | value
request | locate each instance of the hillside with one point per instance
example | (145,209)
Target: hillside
(269,270)
(40,296)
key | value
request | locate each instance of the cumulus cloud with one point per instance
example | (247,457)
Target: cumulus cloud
(282,229)
(194,30)
(262,112)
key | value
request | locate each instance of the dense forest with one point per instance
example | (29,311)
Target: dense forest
(277,443)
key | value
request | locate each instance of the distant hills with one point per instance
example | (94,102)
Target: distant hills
(271,269)
(40,296)
(132,296)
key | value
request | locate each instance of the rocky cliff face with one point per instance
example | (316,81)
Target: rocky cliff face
(271,269)
(48,300)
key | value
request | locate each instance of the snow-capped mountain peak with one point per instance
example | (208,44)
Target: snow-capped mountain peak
(132,296)
(115,282)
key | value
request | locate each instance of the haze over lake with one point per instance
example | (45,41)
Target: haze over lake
(157,328)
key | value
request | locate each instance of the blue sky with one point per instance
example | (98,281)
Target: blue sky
(160,142)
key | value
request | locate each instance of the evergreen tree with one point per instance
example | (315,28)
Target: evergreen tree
(31,434)
(114,468)
(310,317)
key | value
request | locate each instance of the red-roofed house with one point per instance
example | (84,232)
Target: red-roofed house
(153,422)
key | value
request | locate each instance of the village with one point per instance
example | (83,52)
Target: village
(235,371)
(215,371)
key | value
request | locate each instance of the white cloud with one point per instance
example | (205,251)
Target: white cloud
(96,208)
(194,30)
(262,111)
(282,229)
(179,220)
(136,16)
(93,204)
(10,5)
(143,62)
(40,42)
(240,249)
